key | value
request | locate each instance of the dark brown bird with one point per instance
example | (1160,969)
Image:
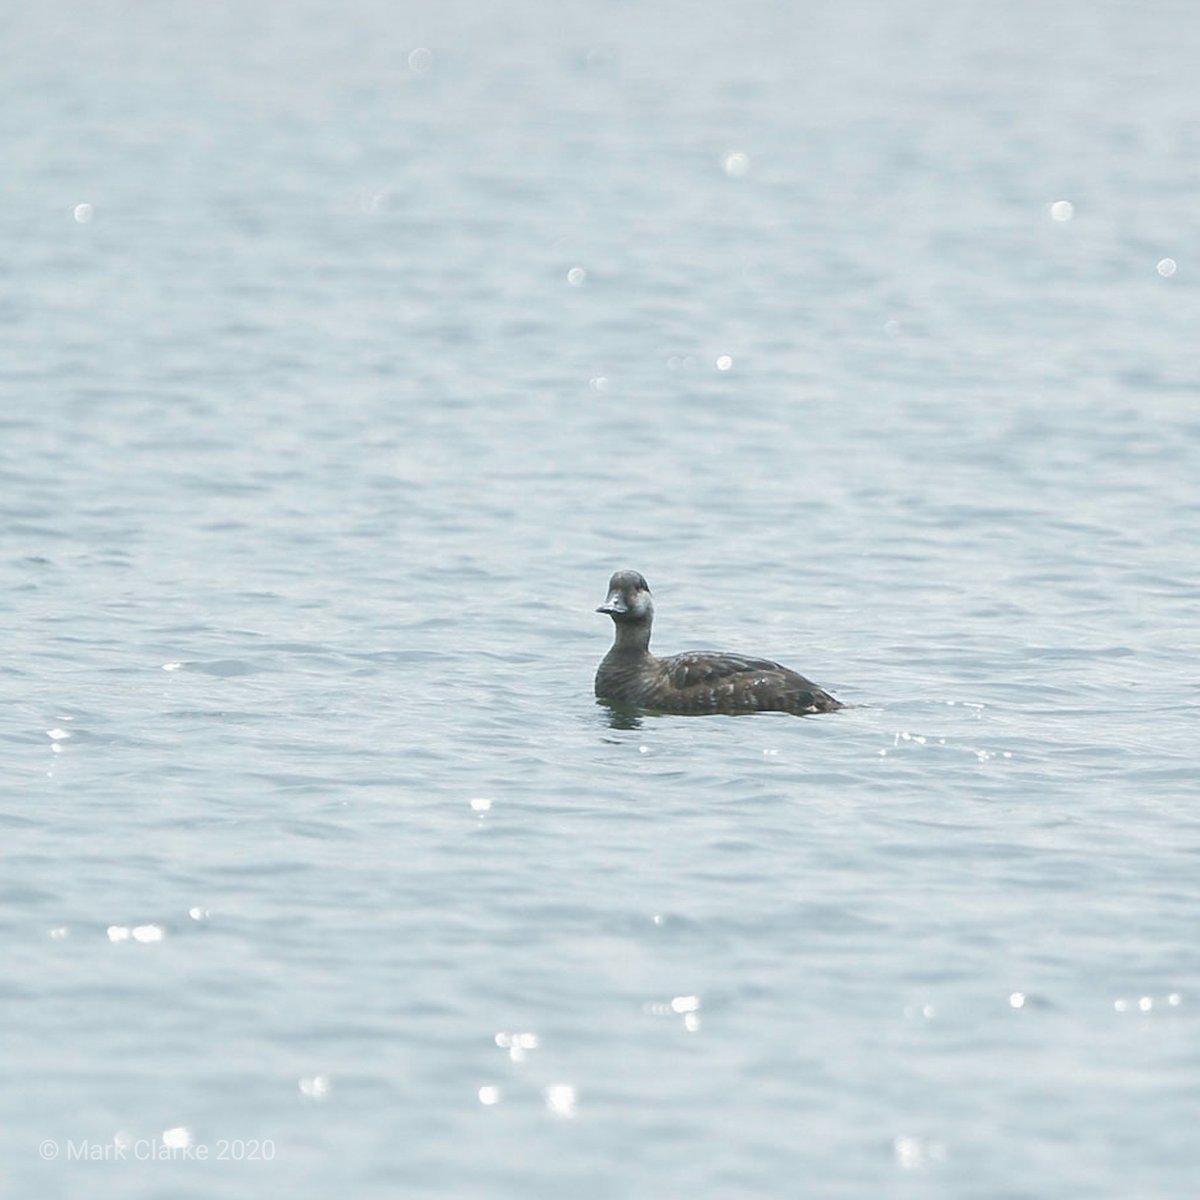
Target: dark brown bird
(695,682)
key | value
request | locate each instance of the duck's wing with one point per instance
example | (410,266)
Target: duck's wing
(701,666)
(703,682)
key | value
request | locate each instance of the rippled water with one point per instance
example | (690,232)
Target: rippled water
(348,349)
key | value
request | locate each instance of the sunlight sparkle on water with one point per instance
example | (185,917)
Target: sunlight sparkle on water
(687,1007)
(736,164)
(724,362)
(179,1137)
(489,1094)
(680,362)
(420,60)
(561,1099)
(314,1087)
(576,276)
(517,1044)
(913,1153)
(1062,210)
(1145,1004)
(82,213)
(138,933)
(1167,267)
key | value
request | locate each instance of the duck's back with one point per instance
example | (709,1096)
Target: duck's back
(704,682)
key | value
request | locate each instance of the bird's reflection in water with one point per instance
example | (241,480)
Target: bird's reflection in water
(620,716)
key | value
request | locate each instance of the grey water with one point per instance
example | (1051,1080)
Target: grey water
(345,351)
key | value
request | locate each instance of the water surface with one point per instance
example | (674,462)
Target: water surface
(349,349)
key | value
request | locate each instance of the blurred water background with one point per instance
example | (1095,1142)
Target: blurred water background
(347,348)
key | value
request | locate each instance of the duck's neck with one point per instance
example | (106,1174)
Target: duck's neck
(632,638)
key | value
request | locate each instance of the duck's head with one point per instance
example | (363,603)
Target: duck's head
(628,598)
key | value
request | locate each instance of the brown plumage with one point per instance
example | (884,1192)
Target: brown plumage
(695,682)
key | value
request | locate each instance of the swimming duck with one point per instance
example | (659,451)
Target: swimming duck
(698,681)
